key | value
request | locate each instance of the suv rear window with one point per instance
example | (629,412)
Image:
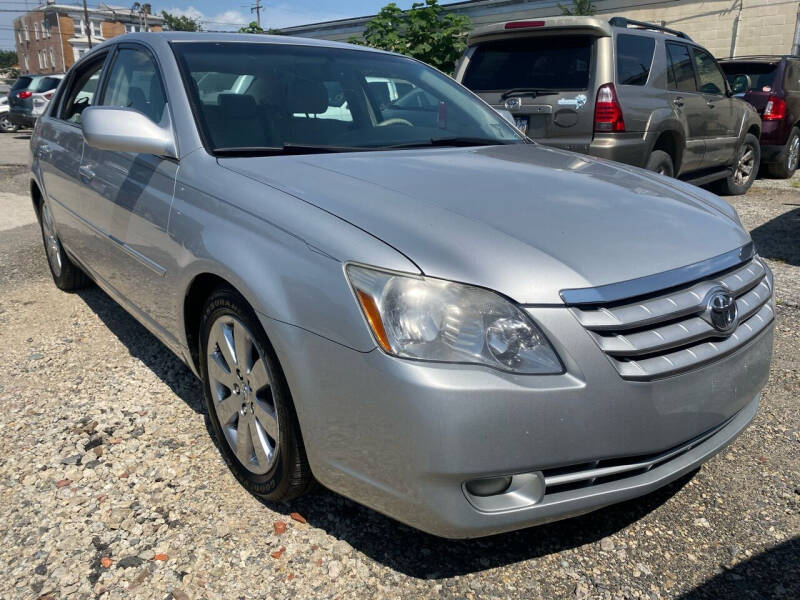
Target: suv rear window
(745,77)
(556,63)
(22,83)
(634,58)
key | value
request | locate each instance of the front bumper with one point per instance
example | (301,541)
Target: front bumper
(403,437)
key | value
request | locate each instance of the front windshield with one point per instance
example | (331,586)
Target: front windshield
(269,96)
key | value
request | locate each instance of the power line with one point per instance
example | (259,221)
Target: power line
(256,8)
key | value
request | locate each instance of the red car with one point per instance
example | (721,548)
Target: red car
(772,85)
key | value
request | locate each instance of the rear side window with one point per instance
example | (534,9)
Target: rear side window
(680,74)
(554,63)
(634,58)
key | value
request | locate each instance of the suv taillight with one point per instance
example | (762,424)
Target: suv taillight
(23,95)
(49,95)
(607,111)
(775,109)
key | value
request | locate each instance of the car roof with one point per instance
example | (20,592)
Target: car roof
(767,58)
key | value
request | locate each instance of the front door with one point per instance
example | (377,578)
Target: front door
(135,191)
(688,104)
(720,124)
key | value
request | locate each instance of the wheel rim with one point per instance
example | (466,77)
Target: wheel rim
(794,153)
(51,243)
(242,393)
(744,168)
(5,124)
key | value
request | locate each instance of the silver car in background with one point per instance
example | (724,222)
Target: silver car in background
(402,299)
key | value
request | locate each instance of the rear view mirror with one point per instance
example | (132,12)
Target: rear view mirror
(126,130)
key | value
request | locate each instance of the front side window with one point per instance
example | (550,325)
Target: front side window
(82,92)
(680,73)
(271,96)
(551,63)
(711,78)
(134,82)
(634,58)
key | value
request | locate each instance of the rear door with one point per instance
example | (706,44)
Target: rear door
(544,80)
(722,116)
(58,149)
(131,193)
(688,103)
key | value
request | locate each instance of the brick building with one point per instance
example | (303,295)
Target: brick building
(50,38)
(725,27)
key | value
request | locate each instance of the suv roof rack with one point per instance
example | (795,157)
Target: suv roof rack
(624,22)
(760,56)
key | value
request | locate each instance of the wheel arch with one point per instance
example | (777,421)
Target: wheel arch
(670,141)
(37,197)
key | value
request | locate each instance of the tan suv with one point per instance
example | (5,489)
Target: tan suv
(624,90)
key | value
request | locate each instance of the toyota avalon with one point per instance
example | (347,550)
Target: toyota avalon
(387,289)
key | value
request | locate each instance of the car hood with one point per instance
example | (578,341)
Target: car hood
(524,220)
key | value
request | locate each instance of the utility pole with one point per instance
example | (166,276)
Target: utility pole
(256,8)
(87,24)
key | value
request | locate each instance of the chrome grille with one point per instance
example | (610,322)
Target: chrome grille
(666,334)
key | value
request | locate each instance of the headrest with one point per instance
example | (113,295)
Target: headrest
(306,96)
(238,106)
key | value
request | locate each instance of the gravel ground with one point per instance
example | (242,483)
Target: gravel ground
(111,487)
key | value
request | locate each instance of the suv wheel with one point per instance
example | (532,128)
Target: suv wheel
(6,126)
(745,169)
(661,163)
(787,162)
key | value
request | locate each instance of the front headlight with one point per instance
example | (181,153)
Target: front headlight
(431,319)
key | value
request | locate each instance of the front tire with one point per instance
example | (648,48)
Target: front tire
(248,401)
(745,169)
(6,126)
(661,163)
(787,162)
(66,275)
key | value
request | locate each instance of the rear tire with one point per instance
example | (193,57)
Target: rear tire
(745,169)
(66,274)
(661,163)
(248,401)
(6,126)
(787,162)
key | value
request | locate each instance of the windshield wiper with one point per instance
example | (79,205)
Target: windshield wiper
(285,149)
(450,141)
(528,91)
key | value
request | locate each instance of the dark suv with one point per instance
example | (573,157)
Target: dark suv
(772,85)
(28,97)
(625,90)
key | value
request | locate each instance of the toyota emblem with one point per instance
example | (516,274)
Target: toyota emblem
(721,310)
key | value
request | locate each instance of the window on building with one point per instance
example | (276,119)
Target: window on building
(45,30)
(96,31)
(52,58)
(19,35)
(25,29)
(77,23)
(133,27)
(27,65)
(36,31)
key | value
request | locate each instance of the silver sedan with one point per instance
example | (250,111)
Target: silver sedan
(387,289)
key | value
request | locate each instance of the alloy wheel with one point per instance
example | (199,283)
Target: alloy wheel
(794,154)
(744,168)
(242,394)
(51,243)
(6,125)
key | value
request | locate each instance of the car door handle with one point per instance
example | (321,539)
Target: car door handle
(86,173)
(45,151)
(677,101)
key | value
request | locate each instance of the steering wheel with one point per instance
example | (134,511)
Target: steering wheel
(395,121)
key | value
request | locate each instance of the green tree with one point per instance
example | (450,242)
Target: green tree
(425,32)
(180,22)
(8,58)
(579,7)
(252,28)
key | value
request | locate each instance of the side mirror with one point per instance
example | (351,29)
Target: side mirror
(506,115)
(126,130)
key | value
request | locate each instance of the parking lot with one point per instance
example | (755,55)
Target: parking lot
(111,487)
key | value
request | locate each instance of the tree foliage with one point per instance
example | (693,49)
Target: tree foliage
(425,32)
(253,27)
(579,7)
(180,22)
(8,58)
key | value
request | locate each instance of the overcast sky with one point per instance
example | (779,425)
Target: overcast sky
(221,15)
